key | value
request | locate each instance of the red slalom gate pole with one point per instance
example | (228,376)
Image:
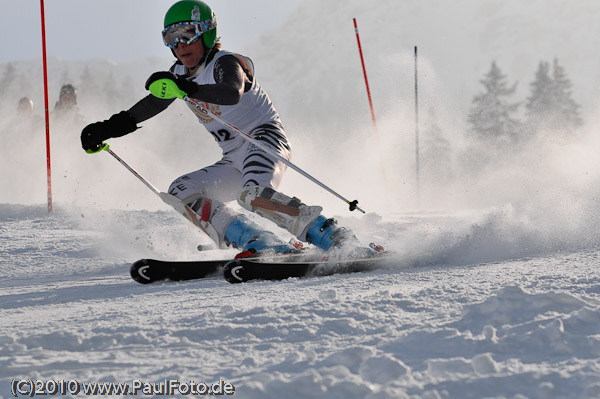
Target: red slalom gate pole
(49,171)
(362,61)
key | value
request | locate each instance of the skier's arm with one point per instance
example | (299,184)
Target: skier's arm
(117,125)
(231,83)
(148,107)
(231,78)
(122,123)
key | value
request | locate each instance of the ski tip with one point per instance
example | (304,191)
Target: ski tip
(234,272)
(140,272)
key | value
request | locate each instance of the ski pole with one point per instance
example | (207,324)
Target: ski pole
(106,148)
(166,88)
(167,198)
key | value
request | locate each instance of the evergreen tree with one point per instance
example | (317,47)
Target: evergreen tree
(542,98)
(550,105)
(491,115)
(566,108)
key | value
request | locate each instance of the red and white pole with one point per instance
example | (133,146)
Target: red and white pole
(362,61)
(49,173)
(365,74)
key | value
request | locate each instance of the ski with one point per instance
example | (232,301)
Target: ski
(146,271)
(247,269)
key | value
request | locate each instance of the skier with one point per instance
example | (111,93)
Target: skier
(226,81)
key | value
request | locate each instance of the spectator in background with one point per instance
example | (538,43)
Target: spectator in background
(66,113)
(26,119)
(25,107)
(23,124)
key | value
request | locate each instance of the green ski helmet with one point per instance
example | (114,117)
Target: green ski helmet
(188,20)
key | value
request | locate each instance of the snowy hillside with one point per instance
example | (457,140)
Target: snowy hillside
(524,328)
(494,292)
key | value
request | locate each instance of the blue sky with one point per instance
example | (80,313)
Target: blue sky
(122,30)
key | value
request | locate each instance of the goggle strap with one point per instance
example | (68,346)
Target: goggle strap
(208,24)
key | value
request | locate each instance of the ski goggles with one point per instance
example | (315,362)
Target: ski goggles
(186,32)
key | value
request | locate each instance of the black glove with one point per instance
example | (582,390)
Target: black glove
(188,86)
(117,125)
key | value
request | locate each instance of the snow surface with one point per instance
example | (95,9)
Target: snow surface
(495,289)
(521,328)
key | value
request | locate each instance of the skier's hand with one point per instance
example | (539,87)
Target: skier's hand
(187,86)
(92,136)
(118,125)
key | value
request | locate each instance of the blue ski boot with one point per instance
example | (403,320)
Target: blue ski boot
(303,221)
(253,241)
(338,241)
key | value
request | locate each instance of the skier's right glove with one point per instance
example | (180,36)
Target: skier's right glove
(117,125)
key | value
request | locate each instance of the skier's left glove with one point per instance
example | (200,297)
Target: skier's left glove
(117,125)
(187,86)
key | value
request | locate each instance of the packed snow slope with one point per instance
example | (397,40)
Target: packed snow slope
(521,328)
